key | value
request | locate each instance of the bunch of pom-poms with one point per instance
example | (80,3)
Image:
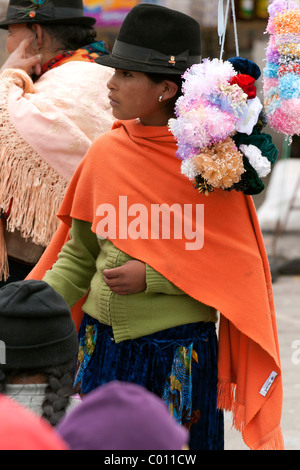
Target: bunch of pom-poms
(218,127)
(282,71)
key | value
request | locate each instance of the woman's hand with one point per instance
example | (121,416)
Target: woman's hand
(127,279)
(21,58)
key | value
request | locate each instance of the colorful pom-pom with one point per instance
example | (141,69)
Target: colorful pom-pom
(260,163)
(245,66)
(271,70)
(282,71)
(289,86)
(218,104)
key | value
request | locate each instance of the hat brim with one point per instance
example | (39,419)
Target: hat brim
(84,21)
(124,64)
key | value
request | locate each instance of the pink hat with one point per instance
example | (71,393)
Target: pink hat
(20,429)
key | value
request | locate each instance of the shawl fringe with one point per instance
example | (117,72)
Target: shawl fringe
(275,441)
(226,393)
(4,268)
(35,188)
(37,192)
(226,396)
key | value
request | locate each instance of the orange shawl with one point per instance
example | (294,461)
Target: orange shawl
(230,272)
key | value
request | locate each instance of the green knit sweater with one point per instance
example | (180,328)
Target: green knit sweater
(79,268)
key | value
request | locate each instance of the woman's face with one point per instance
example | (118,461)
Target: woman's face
(16,34)
(133,95)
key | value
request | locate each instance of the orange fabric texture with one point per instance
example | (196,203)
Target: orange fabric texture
(229,272)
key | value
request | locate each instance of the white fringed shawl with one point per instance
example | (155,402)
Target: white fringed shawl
(45,130)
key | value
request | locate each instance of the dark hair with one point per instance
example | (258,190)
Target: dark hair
(59,388)
(69,36)
(160,77)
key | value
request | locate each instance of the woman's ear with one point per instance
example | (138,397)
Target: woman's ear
(170,89)
(38,32)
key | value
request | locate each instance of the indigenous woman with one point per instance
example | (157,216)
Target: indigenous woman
(155,285)
(47,121)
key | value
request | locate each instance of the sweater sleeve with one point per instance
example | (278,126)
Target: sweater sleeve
(71,275)
(157,283)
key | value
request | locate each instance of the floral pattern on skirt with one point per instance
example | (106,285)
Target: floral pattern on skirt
(178,364)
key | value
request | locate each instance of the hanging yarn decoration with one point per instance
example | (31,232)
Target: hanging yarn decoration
(218,127)
(259,152)
(282,71)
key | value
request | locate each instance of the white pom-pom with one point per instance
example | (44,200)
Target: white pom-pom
(188,169)
(260,163)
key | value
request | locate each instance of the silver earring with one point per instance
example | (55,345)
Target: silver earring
(160,98)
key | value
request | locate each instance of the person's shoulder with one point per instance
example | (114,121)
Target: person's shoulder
(84,69)
(107,138)
(79,73)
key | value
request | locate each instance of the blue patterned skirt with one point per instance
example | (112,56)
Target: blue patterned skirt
(178,364)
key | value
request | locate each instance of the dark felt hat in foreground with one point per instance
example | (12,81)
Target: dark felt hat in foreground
(46,12)
(36,326)
(155,39)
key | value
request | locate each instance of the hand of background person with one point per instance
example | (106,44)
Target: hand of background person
(24,58)
(127,279)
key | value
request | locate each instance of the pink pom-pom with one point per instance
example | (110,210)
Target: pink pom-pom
(270,83)
(290,108)
(281,74)
(280,122)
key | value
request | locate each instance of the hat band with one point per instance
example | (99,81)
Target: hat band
(47,12)
(143,55)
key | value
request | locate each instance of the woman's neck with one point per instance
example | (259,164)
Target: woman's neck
(27,379)
(48,55)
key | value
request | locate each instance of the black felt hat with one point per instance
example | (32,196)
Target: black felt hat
(46,12)
(36,326)
(155,39)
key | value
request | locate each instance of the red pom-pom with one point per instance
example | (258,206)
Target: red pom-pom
(246,83)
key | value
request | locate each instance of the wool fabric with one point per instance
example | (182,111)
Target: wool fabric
(36,326)
(122,416)
(229,272)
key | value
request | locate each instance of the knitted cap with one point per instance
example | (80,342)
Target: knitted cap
(36,326)
(122,416)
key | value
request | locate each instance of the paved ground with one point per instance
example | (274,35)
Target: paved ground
(287,301)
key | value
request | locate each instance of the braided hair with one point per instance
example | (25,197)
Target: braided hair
(59,388)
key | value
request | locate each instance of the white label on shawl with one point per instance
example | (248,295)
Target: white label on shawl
(266,386)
